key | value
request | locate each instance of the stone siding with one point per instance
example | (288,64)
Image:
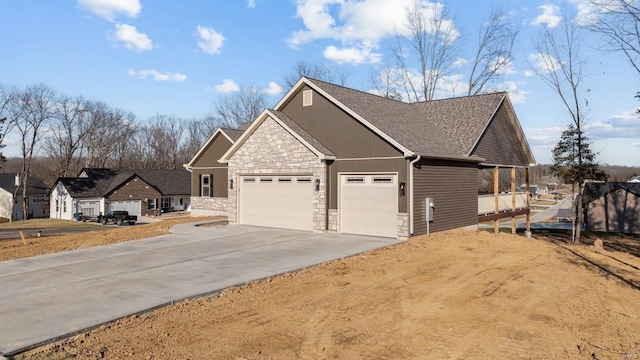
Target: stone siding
(207,206)
(333,220)
(273,150)
(403,226)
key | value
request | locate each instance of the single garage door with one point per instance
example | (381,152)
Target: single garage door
(89,208)
(132,206)
(276,201)
(369,204)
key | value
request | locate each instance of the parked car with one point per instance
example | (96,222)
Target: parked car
(118,217)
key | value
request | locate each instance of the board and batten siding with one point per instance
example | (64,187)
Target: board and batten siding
(345,136)
(499,145)
(208,163)
(398,166)
(454,189)
(135,189)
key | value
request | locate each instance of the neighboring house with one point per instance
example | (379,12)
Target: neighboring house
(535,191)
(208,176)
(38,198)
(330,158)
(612,207)
(140,192)
(635,179)
(564,215)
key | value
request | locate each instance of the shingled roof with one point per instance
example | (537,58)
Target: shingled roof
(438,128)
(595,190)
(8,182)
(100,182)
(234,134)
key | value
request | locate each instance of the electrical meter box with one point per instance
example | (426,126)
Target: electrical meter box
(429,208)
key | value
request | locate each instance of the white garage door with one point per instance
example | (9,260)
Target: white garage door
(276,201)
(369,204)
(133,206)
(89,208)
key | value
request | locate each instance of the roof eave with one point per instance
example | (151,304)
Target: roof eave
(206,145)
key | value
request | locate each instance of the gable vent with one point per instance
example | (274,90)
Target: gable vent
(307,98)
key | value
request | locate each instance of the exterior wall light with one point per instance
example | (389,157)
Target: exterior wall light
(401,188)
(317,184)
(231,184)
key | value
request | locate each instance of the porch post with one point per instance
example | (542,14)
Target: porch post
(528,226)
(513,200)
(496,193)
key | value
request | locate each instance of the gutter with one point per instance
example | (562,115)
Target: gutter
(187,167)
(411,197)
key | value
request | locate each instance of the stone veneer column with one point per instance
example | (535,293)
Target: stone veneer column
(273,150)
(403,226)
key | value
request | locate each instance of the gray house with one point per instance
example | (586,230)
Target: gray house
(330,158)
(612,207)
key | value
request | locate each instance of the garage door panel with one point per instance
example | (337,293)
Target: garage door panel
(133,207)
(276,201)
(369,205)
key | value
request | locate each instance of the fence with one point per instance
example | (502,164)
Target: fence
(486,203)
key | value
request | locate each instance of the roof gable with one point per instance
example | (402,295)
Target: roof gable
(290,126)
(594,190)
(230,135)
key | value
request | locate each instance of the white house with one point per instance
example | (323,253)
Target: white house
(12,207)
(635,179)
(70,196)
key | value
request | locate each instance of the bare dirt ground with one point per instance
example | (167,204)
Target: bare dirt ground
(454,295)
(16,249)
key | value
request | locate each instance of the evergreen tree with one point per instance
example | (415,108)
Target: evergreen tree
(566,162)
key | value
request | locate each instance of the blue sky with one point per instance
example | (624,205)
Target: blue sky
(178,57)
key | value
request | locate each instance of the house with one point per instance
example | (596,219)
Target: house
(208,176)
(11,207)
(564,215)
(330,158)
(634,179)
(140,192)
(612,207)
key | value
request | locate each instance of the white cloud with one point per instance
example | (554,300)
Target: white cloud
(636,145)
(529,73)
(516,95)
(352,55)
(623,125)
(544,63)
(251,4)
(587,12)
(502,67)
(132,39)
(359,25)
(459,62)
(157,76)
(550,16)
(273,89)
(210,40)
(227,86)
(109,9)
(544,137)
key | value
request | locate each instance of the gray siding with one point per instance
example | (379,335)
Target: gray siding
(209,158)
(454,188)
(616,211)
(379,165)
(335,129)
(499,144)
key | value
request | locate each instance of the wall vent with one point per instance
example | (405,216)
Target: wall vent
(307,98)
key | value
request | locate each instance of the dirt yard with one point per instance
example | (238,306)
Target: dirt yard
(454,295)
(16,249)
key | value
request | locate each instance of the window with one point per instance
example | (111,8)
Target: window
(151,204)
(304,180)
(165,203)
(64,206)
(57,205)
(205,185)
(382,180)
(307,98)
(266,180)
(249,180)
(284,180)
(355,180)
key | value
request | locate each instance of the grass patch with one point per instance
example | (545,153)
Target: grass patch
(39,223)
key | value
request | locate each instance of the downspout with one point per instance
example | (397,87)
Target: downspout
(411,199)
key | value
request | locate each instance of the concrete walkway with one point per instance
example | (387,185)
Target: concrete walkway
(52,296)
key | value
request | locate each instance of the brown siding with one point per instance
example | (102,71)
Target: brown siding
(336,129)
(617,211)
(454,189)
(135,189)
(220,179)
(379,165)
(499,144)
(209,159)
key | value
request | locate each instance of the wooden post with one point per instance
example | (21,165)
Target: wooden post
(24,242)
(513,199)
(496,193)
(528,226)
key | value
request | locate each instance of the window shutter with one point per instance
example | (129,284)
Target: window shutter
(199,184)
(210,185)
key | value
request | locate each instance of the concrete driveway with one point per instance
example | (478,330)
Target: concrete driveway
(52,296)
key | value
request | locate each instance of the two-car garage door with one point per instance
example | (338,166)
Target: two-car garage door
(276,201)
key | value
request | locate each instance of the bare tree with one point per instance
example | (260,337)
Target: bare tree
(239,108)
(68,132)
(619,22)
(31,111)
(194,138)
(323,71)
(432,38)
(6,96)
(560,65)
(108,135)
(495,50)
(161,138)
(386,83)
